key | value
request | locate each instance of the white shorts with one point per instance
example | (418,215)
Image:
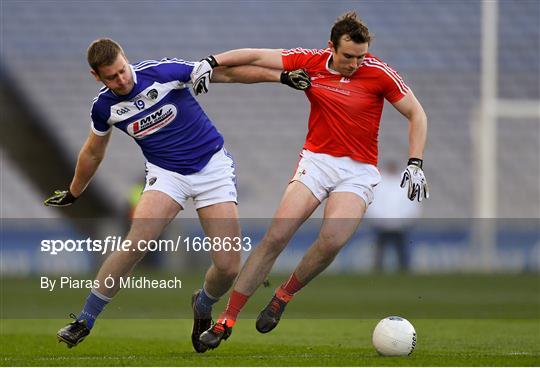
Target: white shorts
(215,183)
(324,174)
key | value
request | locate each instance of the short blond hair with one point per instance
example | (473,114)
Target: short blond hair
(103,52)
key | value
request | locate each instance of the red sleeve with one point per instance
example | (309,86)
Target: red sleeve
(393,86)
(300,58)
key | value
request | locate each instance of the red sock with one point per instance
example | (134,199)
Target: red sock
(234,306)
(289,288)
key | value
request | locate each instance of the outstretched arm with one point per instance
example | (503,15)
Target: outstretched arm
(250,59)
(90,156)
(203,72)
(245,74)
(269,58)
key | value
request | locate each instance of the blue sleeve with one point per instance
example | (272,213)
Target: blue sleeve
(169,69)
(99,123)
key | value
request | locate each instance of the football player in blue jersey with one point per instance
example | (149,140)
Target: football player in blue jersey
(185,159)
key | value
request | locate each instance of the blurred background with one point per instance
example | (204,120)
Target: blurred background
(474,65)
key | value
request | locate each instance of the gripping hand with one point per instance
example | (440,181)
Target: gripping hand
(60,198)
(413,177)
(297,79)
(202,73)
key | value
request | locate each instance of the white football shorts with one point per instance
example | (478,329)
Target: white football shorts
(215,183)
(324,174)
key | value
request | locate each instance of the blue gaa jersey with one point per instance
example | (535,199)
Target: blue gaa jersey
(162,116)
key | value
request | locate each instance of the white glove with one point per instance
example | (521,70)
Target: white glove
(413,177)
(202,73)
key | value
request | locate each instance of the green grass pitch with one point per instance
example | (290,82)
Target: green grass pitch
(461,320)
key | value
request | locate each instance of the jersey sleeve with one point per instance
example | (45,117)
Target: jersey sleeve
(394,88)
(300,58)
(98,122)
(168,69)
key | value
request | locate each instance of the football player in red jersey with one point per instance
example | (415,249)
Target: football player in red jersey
(338,160)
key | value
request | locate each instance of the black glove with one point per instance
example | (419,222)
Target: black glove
(60,198)
(297,79)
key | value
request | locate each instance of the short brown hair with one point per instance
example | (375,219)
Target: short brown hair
(103,52)
(349,24)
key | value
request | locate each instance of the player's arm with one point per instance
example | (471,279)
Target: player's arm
(249,59)
(245,74)
(297,79)
(409,107)
(268,58)
(413,176)
(203,73)
(90,156)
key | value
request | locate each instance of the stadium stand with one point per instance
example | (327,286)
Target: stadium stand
(434,45)
(15,185)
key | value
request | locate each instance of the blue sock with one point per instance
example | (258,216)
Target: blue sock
(93,307)
(204,303)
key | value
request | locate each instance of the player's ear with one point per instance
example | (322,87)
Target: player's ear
(95,75)
(331,46)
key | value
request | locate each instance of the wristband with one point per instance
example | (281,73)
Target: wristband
(415,161)
(284,77)
(212,61)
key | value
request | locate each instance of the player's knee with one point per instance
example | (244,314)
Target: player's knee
(228,268)
(144,230)
(331,243)
(228,271)
(274,242)
(130,254)
(136,250)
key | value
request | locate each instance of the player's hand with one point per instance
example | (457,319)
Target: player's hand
(202,73)
(297,79)
(60,198)
(413,177)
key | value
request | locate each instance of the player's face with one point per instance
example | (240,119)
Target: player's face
(116,76)
(348,56)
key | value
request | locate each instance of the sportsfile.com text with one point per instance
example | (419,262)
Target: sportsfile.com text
(118,243)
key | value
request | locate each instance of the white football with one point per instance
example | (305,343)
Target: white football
(394,336)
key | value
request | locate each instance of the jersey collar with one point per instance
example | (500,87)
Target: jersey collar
(133,74)
(330,70)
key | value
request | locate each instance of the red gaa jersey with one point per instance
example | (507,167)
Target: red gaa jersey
(345,111)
